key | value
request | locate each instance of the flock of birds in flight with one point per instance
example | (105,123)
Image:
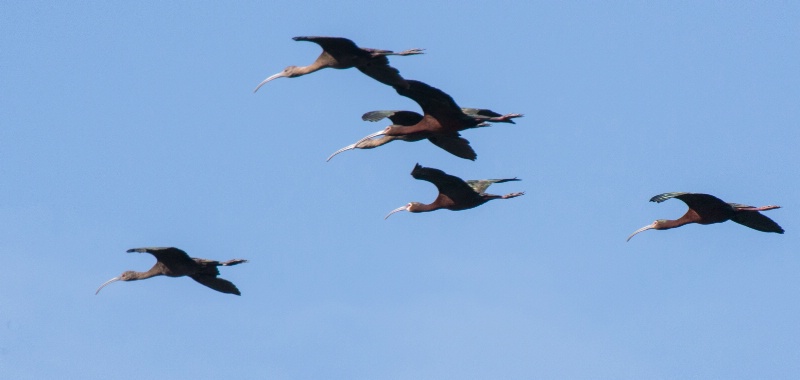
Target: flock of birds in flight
(440,123)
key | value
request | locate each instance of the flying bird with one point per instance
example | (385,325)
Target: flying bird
(341,53)
(454,193)
(173,262)
(455,145)
(708,209)
(442,119)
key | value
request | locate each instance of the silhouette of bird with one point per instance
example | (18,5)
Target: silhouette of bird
(453,145)
(173,262)
(442,118)
(341,53)
(454,193)
(708,209)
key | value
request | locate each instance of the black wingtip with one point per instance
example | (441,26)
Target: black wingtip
(416,169)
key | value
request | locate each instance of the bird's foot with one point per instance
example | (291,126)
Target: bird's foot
(762,208)
(508,116)
(411,52)
(233,262)
(513,195)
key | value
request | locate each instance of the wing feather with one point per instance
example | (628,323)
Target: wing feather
(480,185)
(702,203)
(433,101)
(451,186)
(756,221)
(406,118)
(167,255)
(334,44)
(455,145)
(218,284)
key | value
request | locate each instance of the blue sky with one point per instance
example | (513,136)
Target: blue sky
(131,125)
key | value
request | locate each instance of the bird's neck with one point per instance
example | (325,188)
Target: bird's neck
(374,143)
(425,208)
(317,65)
(144,275)
(667,224)
(691,216)
(427,124)
(402,130)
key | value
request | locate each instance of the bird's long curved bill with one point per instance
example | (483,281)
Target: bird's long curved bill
(106,283)
(404,208)
(645,228)
(276,76)
(370,136)
(349,147)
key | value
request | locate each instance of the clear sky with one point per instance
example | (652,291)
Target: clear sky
(132,124)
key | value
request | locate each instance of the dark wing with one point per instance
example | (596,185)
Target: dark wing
(378,68)
(705,205)
(696,201)
(167,255)
(433,101)
(662,197)
(456,145)
(480,185)
(451,186)
(406,118)
(482,113)
(756,221)
(218,284)
(334,45)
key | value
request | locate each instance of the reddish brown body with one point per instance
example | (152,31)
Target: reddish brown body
(441,114)
(341,53)
(708,209)
(173,262)
(442,118)
(454,193)
(452,143)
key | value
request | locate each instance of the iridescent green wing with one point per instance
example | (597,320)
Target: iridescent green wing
(480,185)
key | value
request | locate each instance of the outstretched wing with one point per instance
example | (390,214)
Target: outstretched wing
(707,206)
(455,144)
(433,101)
(218,284)
(451,186)
(168,255)
(480,185)
(662,197)
(756,221)
(406,118)
(378,68)
(333,45)
(696,201)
